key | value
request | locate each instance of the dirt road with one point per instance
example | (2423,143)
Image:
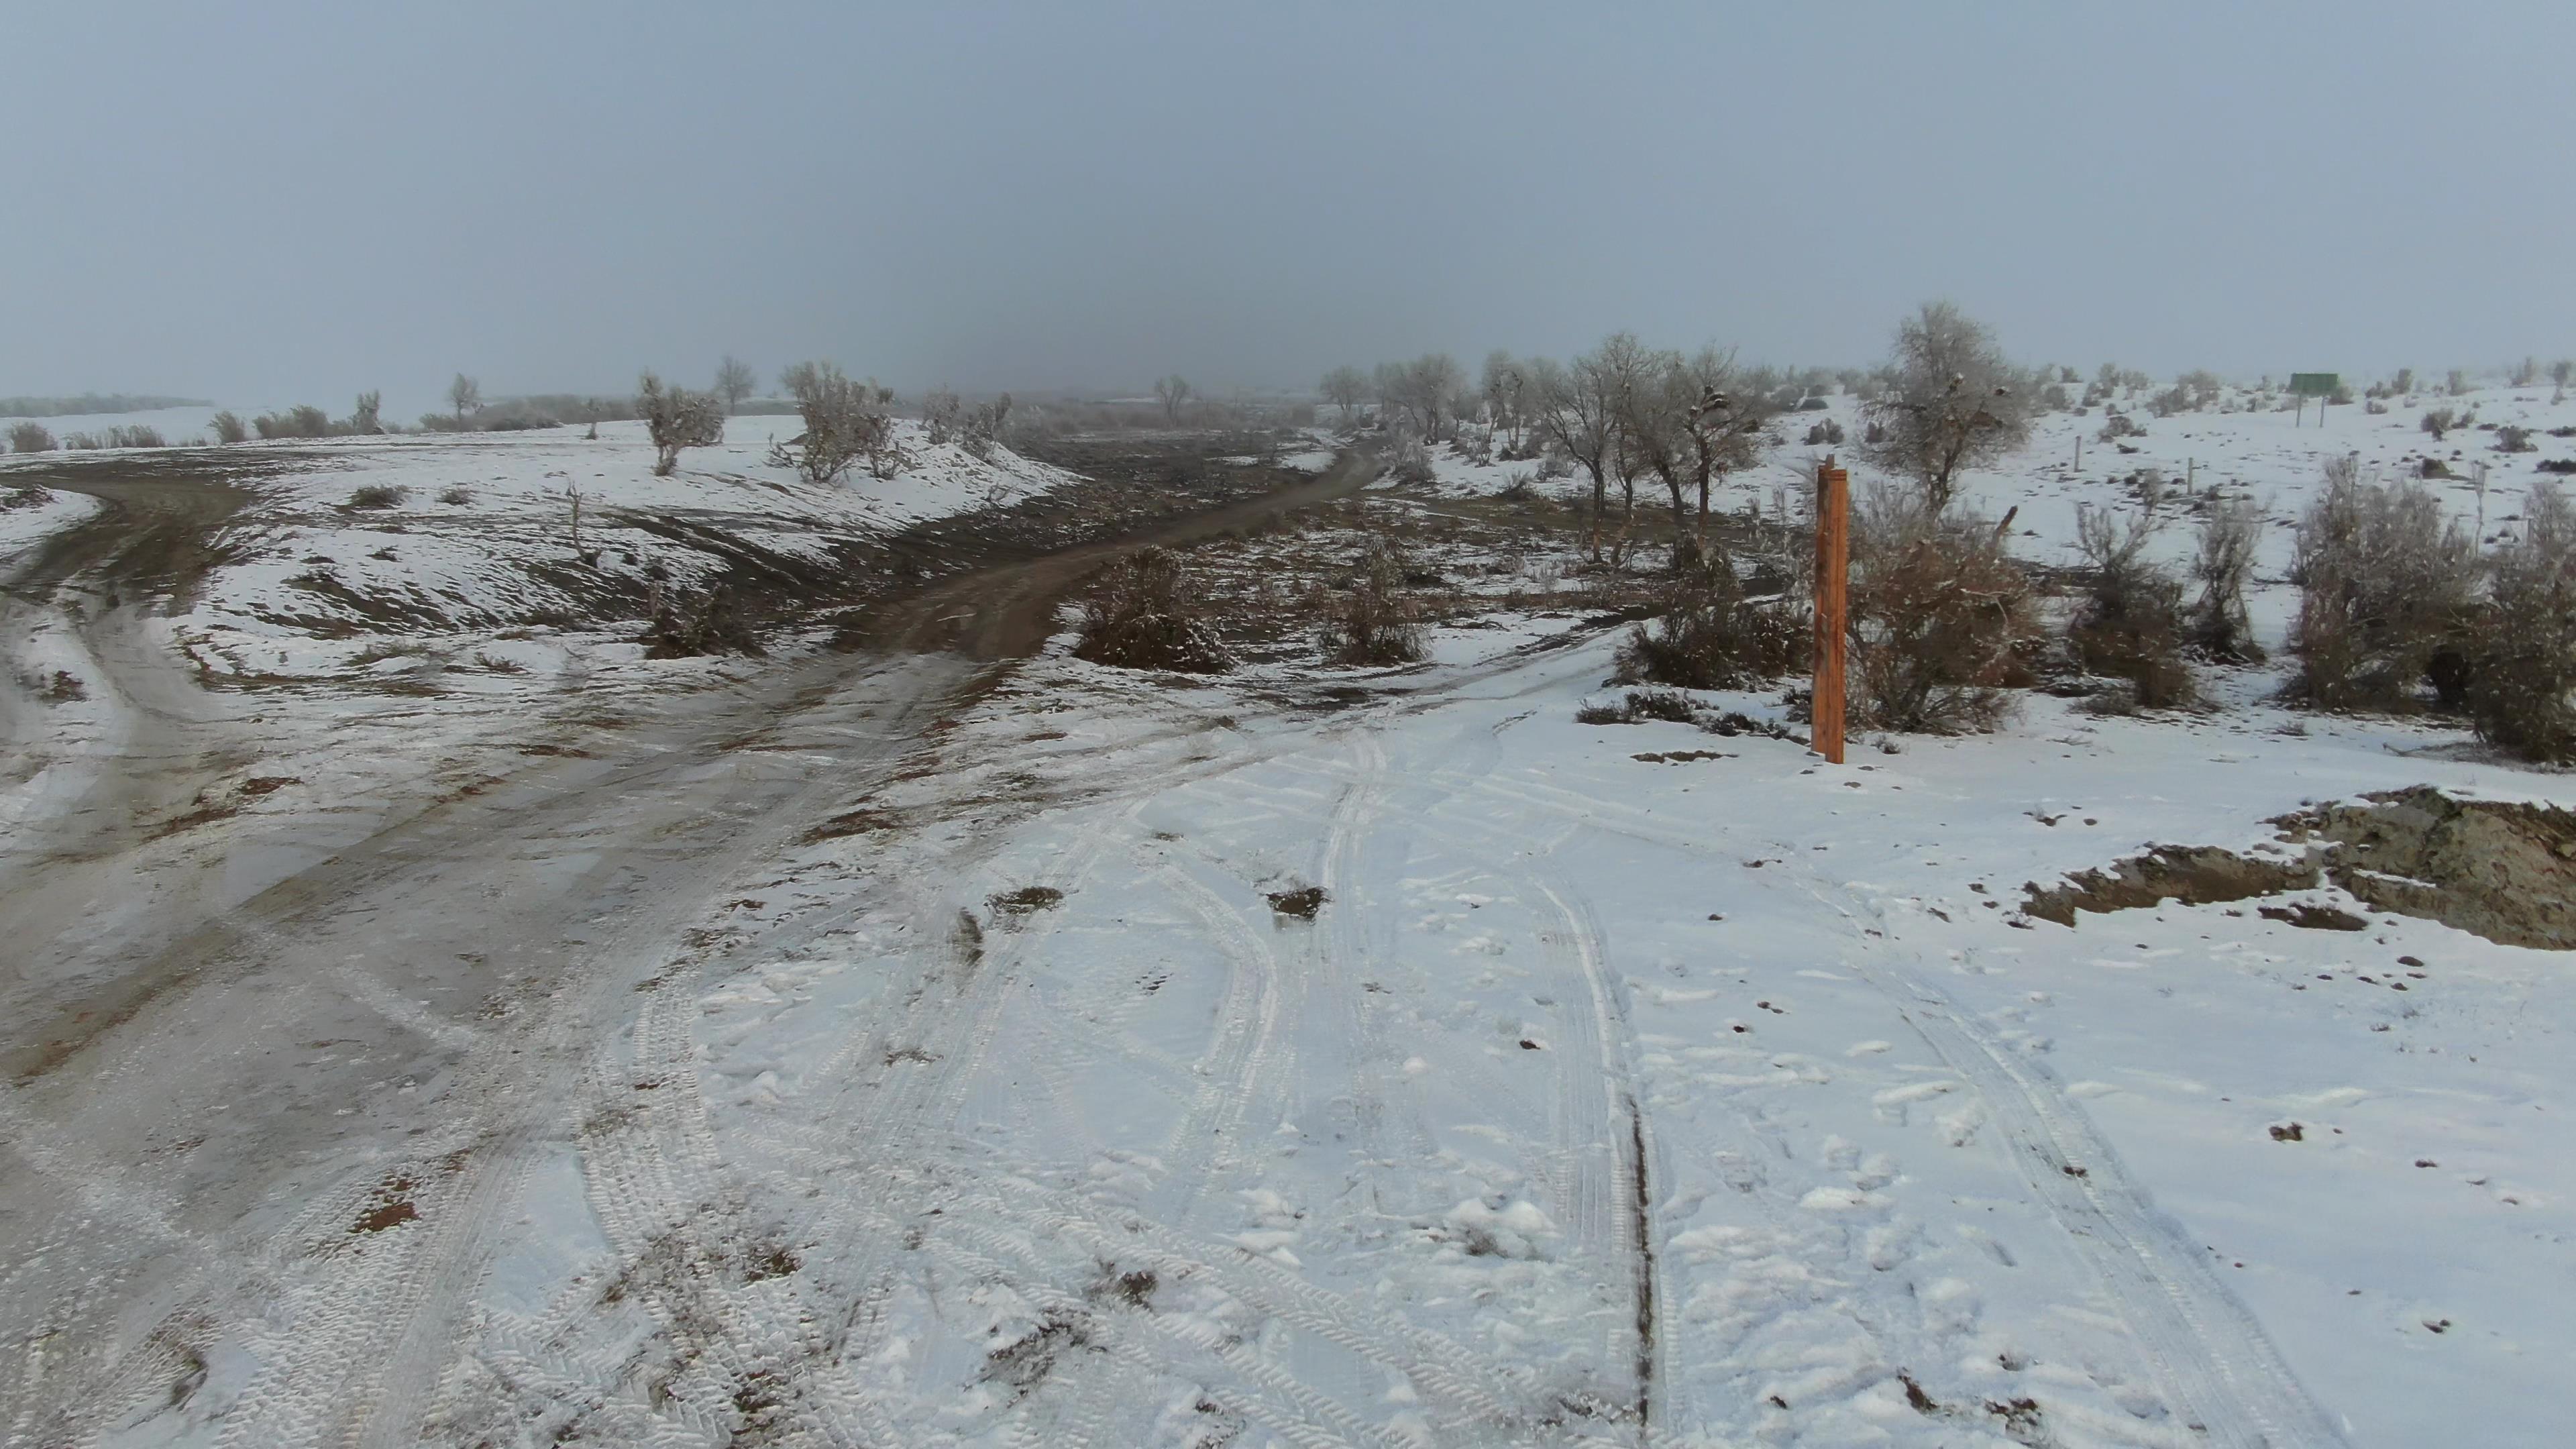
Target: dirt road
(202,1090)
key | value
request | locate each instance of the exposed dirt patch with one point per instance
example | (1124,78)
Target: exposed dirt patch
(2193,874)
(2309,917)
(2503,871)
(1026,899)
(1301,903)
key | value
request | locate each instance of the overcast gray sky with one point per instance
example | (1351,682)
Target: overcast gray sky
(269,201)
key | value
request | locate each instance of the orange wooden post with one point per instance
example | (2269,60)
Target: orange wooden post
(1833,570)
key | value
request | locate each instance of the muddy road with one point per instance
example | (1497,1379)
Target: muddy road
(392,1025)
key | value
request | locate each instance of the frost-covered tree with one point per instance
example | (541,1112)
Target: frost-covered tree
(465,395)
(1953,405)
(734,382)
(845,421)
(1691,420)
(676,418)
(1504,384)
(1344,387)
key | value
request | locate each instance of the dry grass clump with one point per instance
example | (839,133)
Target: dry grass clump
(30,437)
(2523,652)
(1938,613)
(1710,636)
(1139,615)
(1379,622)
(378,495)
(2385,593)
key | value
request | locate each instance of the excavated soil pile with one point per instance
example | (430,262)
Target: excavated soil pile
(2503,871)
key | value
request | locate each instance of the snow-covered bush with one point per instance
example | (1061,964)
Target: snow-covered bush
(1140,615)
(30,437)
(1379,622)
(1408,460)
(1938,613)
(1710,636)
(676,418)
(2385,586)
(2523,661)
(844,422)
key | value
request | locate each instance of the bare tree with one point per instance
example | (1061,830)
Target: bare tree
(1953,405)
(1174,393)
(1343,387)
(465,395)
(734,382)
(1424,388)
(1578,408)
(677,418)
(363,419)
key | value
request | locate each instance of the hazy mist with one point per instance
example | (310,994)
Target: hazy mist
(283,202)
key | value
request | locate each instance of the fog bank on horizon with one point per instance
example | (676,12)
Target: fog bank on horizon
(298,201)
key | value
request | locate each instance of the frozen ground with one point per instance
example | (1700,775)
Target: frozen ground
(878,1050)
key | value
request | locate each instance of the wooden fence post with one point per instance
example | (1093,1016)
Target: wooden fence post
(1833,567)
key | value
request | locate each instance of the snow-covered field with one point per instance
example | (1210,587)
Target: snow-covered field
(1113,1060)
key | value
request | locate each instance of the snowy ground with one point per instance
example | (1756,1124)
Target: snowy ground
(974,1067)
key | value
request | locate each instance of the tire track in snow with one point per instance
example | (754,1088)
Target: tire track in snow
(2209,1355)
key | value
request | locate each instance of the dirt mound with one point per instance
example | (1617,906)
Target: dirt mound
(2503,871)
(2193,874)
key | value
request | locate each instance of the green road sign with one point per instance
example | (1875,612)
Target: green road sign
(2315,384)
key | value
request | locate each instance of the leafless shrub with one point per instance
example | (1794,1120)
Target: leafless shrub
(2510,439)
(1379,622)
(2438,421)
(983,425)
(1938,613)
(456,496)
(1140,615)
(2116,426)
(30,437)
(714,622)
(229,428)
(2129,623)
(2222,565)
(844,422)
(304,421)
(363,419)
(1641,704)
(940,410)
(2526,373)
(1519,486)
(130,435)
(1710,636)
(378,495)
(2385,585)
(676,418)
(2458,383)
(2521,689)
